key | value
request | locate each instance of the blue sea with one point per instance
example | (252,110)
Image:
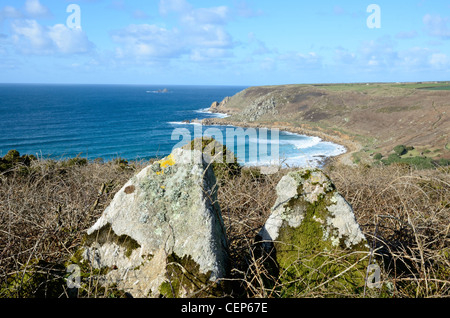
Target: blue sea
(132,122)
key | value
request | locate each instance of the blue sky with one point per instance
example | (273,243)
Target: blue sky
(223,42)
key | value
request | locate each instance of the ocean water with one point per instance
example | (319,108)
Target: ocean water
(134,122)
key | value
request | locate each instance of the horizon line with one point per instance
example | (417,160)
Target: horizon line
(230,85)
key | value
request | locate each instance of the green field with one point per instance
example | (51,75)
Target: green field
(371,86)
(438,88)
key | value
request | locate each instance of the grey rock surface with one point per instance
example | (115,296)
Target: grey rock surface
(312,238)
(301,189)
(167,211)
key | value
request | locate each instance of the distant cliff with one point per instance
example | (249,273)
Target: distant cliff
(376,116)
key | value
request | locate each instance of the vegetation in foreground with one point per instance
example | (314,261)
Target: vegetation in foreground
(404,155)
(46,205)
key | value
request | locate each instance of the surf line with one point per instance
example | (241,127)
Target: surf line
(235,139)
(298,151)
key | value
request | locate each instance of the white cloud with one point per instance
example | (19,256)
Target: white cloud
(260,46)
(146,41)
(439,61)
(199,35)
(168,6)
(268,64)
(204,28)
(437,25)
(9,12)
(308,61)
(29,37)
(382,55)
(35,9)
(406,35)
(208,16)
(414,58)
(342,55)
(208,54)
(379,52)
(243,9)
(209,36)
(69,41)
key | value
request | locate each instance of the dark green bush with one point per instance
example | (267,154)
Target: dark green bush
(122,163)
(400,150)
(12,156)
(77,161)
(377,156)
(420,162)
(13,159)
(444,162)
(393,158)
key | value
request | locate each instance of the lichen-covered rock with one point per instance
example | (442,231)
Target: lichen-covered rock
(312,237)
(163,234)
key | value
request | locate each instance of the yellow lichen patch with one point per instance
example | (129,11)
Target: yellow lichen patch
(168,161)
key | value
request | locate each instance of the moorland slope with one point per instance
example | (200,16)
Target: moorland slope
(368,118)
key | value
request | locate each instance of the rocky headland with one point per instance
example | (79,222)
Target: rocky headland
(365,118)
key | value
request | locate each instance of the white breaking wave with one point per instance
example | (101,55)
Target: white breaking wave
(203,111)
(294,150)
(304,143)
(305,152)
(207,111)
(183,123)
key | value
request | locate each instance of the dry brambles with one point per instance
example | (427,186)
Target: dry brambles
(46,206)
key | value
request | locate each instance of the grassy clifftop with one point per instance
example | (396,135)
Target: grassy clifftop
(368,118)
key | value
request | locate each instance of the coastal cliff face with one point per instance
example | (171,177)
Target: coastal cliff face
(375,116)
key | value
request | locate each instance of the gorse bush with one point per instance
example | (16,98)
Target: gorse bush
(377,156)
(417,162)
(400,150)
(13,159)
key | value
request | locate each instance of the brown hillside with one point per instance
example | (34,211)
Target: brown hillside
(376,116)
